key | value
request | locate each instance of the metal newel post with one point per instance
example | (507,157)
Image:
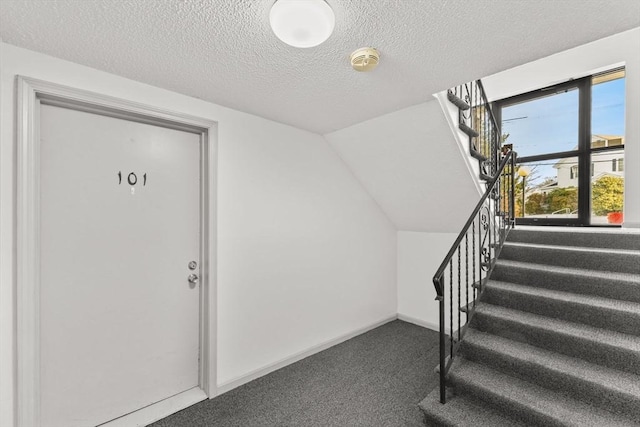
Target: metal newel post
(523,171)
(524,188)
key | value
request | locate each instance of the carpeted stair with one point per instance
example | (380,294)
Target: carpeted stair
(555,338)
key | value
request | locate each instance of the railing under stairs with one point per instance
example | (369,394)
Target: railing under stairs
(460,279)
(476,119)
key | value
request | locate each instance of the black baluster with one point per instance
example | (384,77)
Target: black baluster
(451,307)
(513,190)
(494,231)
(485,151)
(443,397)
(459,316)
(480,248)
(501,182)
(466,272)
(492,238)
(473,259)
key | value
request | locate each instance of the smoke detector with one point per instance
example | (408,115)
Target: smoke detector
(365,59)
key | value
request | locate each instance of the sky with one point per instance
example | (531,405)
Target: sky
(550,124)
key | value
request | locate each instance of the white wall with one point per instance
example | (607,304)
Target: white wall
(419,256)
(410,163)
(619,49)
(452,116)
(305,255)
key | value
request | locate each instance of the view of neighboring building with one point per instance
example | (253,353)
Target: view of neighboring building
(602,164)
(556,196)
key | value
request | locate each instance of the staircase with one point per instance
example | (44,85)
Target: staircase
(555,337)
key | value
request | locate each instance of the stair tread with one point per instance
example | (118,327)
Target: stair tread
(457,101)
(574,248)
(468,130)
(605,259)
(629,307)
(592,237)
(544,402)
(579,330)
(630,277)
(611,379)
(462,411)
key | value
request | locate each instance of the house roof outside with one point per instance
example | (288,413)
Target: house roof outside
(543,188)
(599,141)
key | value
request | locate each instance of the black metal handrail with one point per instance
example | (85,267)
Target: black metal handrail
(486,229)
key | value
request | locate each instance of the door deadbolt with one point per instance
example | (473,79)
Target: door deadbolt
(193,265)
(193,279)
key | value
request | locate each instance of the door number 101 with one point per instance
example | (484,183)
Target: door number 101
(132,179)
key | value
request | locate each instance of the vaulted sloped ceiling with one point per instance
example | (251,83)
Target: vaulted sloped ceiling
(409,162)
(223,51)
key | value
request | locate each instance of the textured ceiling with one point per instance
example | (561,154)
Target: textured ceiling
(223,51)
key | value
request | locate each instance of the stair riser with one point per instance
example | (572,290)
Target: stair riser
(432,420)
(625,322)
(459,411)
(604,261)
(581,347)
(592,240)
(514,409)
(562,382)
(605,287)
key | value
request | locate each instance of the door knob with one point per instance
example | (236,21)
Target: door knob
(193,279)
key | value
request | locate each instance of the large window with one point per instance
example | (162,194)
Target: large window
(570,144)
(607,155)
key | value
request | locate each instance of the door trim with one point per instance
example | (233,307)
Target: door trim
(30,92)
(159,410)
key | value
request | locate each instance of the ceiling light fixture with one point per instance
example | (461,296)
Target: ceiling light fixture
(302,23)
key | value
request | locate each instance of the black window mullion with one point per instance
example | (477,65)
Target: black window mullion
(584,148)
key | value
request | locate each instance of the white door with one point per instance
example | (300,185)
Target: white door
(120,223)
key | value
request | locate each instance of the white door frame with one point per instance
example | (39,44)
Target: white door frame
(30,92)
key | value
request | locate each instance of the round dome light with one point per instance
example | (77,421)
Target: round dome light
(302,23)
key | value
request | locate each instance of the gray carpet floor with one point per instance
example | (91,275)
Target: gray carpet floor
(375,379)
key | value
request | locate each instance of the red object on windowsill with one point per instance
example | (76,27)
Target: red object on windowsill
(614,217)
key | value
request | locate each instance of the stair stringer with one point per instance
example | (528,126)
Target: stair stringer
(451,114)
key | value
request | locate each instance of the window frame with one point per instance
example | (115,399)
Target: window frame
(583,152)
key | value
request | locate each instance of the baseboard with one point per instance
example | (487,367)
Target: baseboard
(419,322)
(159,410)
(230,385)
(423,323)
